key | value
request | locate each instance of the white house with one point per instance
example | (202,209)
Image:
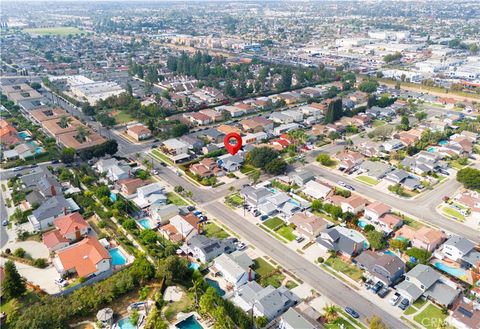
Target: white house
(150,194)
(456,248)
(375,210)
(316,190)
(353,204)
(162,213)
(235,268)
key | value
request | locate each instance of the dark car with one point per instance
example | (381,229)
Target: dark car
(350,187)
(33,165)
(350,311)
(404,304)
(383,292)
(55,161)
(376,288)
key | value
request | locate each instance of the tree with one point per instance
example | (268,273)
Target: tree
(421,255)
(129,89)
(261,321)
(317,205)
(376,240)
(469,177)
(399,244)
(325,159)
(179,129)
(420,116)
(392,57)
(36,85)
(13,284)
(376,323)
(404,123)
(67,155)
(334,111)
(330,312)
(369,85)
(260,156)
(134,317)
(276,167)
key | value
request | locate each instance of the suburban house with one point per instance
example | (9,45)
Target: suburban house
(103,165)
(369,149)
(347,242)
(207,167)
(375,210)
(381,267)
(388,223)
(235,268)
(391,145)
(161,213)
(150,194)
(139,132)
(254,196)
(460,250)
(316,190)
(68,229)
(128,187)
(253,138)
(424,281)
(85,258)
(465,315)
(348,160)
(269,301)
(56,206)
(354,204)
(428,238)
(308,225)
(205,249)
(174,147)
(231,163)
(257,124)
(375,169)
(292,319)
(302,177)
(117,172)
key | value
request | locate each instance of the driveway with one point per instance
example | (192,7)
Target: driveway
(42,277)
(33,248)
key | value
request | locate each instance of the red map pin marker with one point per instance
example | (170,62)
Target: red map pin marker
(232,148)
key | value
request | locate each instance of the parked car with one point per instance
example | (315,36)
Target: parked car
(352,312)
(155,172)
(61,282)
(256,213)
(197,212)
(240,246)
(395,298)
(349,187)
(33,165)
(341,183)
(55,161)
(376,288)
(383,292)
(190,208)
(5,222)
(163,164)
(404,304)
(203,218)
(18,168)
(263,217)
(299,239)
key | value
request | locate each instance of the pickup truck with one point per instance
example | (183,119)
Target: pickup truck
(395,298)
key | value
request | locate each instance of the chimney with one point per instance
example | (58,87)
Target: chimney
(53,191)
(249,274)
(65,211)
(77,233)
(129,173)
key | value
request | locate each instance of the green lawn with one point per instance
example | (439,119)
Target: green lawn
(337,324)
(262,267)
(122,117)
(341,266)
(410,310)
(234,199)
(286,232)
(378,123)
(212,230)
(161,157)
(245,169)
(174,198)
(171,310)
(274,223)
(367,180)
(430,317)
(61,30)
(419,303)
(452,212)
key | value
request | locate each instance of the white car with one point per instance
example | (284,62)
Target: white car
(395,298)
(61,282)
(240,246)
(155,172)
(341,183)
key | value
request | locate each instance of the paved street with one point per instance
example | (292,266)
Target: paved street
(334,289)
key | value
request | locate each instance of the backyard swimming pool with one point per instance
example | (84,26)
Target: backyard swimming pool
(432,149)
(24,135)
(189,323)
(117,257)
(145,223)
(216,286)
(454,271)
(443,143)
(361,224)
(125,323)
(194,266)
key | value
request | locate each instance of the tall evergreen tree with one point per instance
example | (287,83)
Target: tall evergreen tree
(13,284)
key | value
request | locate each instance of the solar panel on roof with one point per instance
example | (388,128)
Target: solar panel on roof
(465,312)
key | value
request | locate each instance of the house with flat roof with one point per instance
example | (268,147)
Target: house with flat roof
(80,142)
(317,190)
(85,258)
(174,146)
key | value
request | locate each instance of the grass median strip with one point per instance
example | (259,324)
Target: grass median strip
(367,180)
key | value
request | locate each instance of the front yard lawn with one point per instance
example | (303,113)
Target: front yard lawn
(338,324)
(452,212)
(234,199)
(161,157)
(286,232)
(430,317)
(174,198)
(341,266)
(122,117)
(213,230)
(274,223)
(262,267)
(367,180)
(184,305)
(266,274)
(378,123)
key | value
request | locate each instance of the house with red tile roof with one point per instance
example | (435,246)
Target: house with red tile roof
(354,204)
(54,240)
(139,132)
(206,168)
(8,134)
(68,228)
(85,258)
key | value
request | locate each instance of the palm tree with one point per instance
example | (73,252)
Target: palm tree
(297,136)
(82,134)
(64,121)
(196,289)
(330,313)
